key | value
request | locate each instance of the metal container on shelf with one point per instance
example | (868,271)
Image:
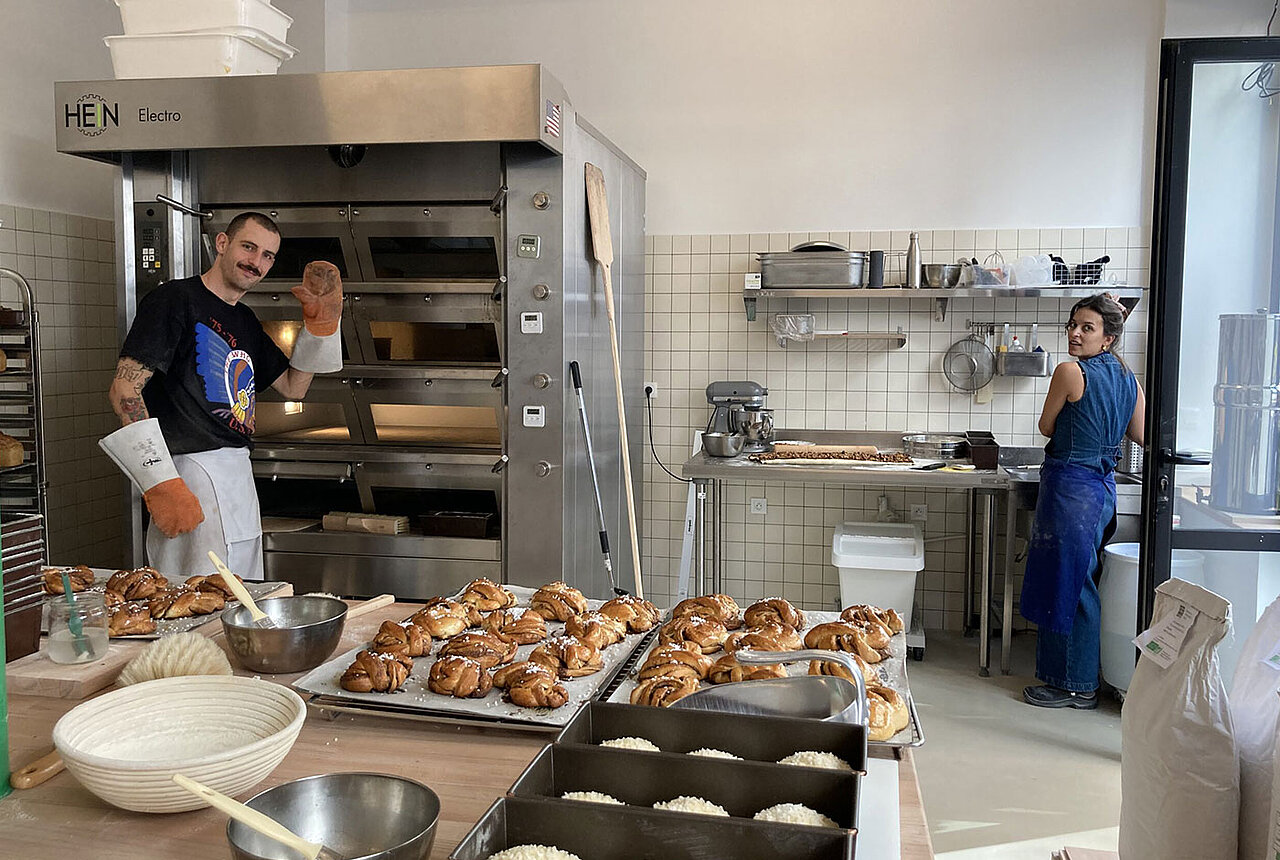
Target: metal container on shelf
(1024,363)
(813,265)
(935,446)
(1245,476)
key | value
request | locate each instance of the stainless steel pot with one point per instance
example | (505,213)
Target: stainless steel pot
(1246,438)
(813,265)
(935,446)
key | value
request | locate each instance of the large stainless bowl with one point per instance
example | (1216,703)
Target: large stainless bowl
(723,444)
(940,274)
(307,630)
(362,816)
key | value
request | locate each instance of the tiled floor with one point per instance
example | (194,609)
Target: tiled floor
(1002,780)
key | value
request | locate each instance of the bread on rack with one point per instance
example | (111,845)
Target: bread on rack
(512,672)
(80,576)
(485,648)
(830,667)
(774,610)
(842,636)
(568,657)
(376,673)
(130,619)
(460,677)
(137,584)
(887,713)
(486,595)
(727,670)
(558,601)
(213,583)
(11,451)
(706,634)
(862,612)
(524,629)
(183,602)
(720,607)
(765,637)
(596,629)
(440,621)
(676,661)
(534,690)
(662,691)
(401,637)
(637,613)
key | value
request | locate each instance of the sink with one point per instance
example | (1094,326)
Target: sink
(1024,473)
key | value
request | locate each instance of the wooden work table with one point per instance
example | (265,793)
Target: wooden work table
(468,768)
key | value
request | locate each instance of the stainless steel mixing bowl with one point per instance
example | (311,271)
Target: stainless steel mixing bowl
(940,274)
(307,630)
(723,444)
(362,816)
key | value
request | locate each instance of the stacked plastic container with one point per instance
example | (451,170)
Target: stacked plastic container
(199,38)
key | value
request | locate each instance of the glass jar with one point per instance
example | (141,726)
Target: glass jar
(87,618)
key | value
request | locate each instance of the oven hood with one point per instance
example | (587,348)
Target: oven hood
(499,104)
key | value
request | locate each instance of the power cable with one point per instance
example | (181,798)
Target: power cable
(648,402)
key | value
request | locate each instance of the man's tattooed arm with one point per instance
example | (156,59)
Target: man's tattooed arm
(126,391)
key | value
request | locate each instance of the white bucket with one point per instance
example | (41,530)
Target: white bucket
(878,563)
(197,54)
(1118,593)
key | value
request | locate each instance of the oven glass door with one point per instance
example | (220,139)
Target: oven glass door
(444,324)
(281,318)
(427,242)
(328,414)
(307,233)
(452,407)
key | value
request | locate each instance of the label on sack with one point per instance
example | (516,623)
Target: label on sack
(1162,642)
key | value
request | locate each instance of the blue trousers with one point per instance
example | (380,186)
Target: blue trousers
(1069,661)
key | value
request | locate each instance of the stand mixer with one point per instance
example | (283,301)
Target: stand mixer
(738,408)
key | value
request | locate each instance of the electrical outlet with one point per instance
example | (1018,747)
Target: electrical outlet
(759,506)
(652,388)
(919,513)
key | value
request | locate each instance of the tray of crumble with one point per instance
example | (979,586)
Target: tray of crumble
(891,672)
(415,700)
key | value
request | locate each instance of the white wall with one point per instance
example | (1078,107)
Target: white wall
(1188,19)
(763,116)
(52,40)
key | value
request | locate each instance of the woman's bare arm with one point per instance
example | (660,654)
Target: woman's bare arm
(125,393)
(1067,384)
(1138,422)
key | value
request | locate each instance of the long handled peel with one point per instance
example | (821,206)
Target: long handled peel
(255,820)
(259,618)
(602,247)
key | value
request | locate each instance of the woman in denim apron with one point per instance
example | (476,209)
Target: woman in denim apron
(1092,404)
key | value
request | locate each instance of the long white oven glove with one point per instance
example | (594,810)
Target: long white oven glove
(313,354)
(318,348)
(140,451)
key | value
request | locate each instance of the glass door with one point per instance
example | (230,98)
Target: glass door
(1213,365)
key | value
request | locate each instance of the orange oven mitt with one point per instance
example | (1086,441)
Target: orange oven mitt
(140,451)
(174,508)
(321,296)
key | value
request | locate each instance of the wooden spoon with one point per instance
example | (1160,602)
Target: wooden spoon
(256,820)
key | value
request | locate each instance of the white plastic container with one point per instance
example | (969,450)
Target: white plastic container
(1118,593)
(146,17)
(878,563)
(197,54)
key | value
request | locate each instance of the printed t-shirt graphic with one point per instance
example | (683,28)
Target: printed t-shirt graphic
(228,378)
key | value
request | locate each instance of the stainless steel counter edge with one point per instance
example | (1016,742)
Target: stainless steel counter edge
(702,466)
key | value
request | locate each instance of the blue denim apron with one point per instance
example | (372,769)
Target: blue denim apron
(1077,495)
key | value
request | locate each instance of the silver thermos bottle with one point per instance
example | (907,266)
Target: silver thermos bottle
(913,262)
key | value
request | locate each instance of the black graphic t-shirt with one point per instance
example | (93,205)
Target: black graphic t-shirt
(209,359)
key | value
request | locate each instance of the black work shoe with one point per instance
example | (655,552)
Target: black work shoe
(1045,696)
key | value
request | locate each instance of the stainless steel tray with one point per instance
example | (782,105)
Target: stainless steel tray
(415,701)
(760,739)
(594,831)
(642,779)
(892,671)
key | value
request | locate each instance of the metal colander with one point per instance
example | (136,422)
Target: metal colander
(969,363)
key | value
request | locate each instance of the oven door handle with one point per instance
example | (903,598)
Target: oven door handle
(500,465)
(500,379)
(276,469)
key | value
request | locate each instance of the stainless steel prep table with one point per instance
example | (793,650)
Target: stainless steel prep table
(984,486)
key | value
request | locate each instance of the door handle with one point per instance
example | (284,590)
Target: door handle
(500,379)
(500,465)
(1183,458)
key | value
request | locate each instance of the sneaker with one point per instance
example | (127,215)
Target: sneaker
(1046,696)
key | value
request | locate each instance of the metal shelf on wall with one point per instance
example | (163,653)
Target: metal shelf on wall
(1128,295)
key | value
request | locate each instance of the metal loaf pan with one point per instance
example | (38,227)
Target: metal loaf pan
(642,779)
(595,831)
(755,738)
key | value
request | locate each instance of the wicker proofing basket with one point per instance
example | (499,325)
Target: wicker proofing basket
(125,746)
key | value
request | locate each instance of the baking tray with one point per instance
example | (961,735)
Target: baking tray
(892,671)
(760,739)
(641,779)
(595,831)
(165,626)
(415,701)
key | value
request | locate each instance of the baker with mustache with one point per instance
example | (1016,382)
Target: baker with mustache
(185,391)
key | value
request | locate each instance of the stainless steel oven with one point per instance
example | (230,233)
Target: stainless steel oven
(460,230)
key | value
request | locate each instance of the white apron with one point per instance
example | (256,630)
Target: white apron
(222,480)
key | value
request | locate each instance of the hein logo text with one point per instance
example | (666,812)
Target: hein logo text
(91,115)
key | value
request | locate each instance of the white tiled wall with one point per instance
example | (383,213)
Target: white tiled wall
(697,333)
(69,261)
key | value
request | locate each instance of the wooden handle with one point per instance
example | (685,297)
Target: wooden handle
(369,605)
(237,588)
(251,818)
(38,772)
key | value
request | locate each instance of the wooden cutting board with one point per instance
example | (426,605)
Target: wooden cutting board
(37,675)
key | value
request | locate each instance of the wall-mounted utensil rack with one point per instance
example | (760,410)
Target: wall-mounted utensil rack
(800,328)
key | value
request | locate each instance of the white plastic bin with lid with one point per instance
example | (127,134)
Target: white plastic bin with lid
(146,17)
(878,563)
(197,54)
(1118,594)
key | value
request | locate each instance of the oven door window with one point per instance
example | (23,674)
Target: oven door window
(284,333)
(302,421)
(296,251)
(435,342)
(454,426)
(433,257)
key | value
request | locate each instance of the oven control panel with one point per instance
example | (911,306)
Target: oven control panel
(151,247)
(531,322)
(535,416)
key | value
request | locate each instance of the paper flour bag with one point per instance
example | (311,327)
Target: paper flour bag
(1273,826)
(1179,771)
(1254,706)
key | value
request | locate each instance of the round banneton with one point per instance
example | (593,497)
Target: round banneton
(124,746)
